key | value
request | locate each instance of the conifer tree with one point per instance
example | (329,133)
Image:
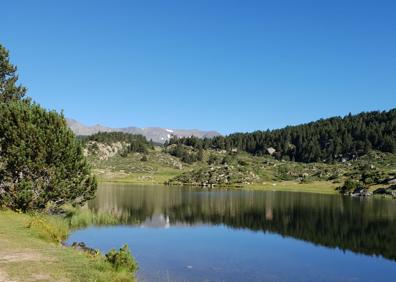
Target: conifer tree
(9,90)
(41,161)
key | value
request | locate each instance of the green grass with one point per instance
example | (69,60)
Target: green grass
(82,217)
(268,173)
(158,168)
(322,187)
(30,251)
(159,177)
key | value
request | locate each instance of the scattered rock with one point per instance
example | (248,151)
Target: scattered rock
(361,193)
(82,247)
(104,151)
(216,175)
(392,181)
(391,190)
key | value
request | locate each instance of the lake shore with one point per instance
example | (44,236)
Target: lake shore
(321,187)
(30,253)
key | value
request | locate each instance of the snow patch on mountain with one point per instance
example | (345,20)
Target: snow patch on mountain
(156,134)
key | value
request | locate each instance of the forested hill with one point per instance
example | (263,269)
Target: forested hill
(324,140)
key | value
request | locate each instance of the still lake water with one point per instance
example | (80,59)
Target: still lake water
(190,234)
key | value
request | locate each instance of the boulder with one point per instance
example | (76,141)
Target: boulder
(271,151)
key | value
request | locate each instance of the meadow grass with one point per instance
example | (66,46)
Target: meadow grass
(322,187)
(56,228)
(30,251)
(82,217)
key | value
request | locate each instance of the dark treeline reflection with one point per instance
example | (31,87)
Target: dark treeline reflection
(365,226)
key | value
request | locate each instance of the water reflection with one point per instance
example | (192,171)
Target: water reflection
(363,226)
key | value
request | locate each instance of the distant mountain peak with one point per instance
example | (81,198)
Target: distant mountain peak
(157,134)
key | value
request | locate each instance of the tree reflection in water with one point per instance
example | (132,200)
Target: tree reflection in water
(365,226)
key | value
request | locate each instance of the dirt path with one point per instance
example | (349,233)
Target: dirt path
(26,256)
(19,262)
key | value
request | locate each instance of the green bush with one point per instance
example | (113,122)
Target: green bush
(243,163)
(227,159)
(306,179)
(370,176)
(183,154)
(124,153)
(122,260)
(350,186)
(213,159)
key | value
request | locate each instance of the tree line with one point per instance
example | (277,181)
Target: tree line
(325,140)
(135,142)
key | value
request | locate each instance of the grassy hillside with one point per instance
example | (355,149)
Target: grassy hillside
(158,165)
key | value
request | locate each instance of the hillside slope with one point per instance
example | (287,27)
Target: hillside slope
(157,165)
(325,140)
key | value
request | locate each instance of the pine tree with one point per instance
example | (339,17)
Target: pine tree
(324,140)
(9,90)
(41,161)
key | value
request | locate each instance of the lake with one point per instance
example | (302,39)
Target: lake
(194,234)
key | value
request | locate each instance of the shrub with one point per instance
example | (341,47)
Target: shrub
(243,162)
(227,159)
(213,159)
(370,176)
(350,186)
(183,154)
(306,179)
(124,153)
(122,260)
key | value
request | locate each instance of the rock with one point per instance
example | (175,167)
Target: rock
(361,193)
(104,151)
(271,151)
(392,181)
(391,190)
(380,191)
(82,247)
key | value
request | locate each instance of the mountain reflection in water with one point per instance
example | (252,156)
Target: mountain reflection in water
(366,226)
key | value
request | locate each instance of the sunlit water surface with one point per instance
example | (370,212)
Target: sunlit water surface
(190,234)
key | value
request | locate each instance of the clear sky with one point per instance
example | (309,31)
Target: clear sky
(223,65)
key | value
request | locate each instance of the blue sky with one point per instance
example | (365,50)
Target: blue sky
(223,65)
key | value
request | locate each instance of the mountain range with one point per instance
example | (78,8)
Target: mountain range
(156,134)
